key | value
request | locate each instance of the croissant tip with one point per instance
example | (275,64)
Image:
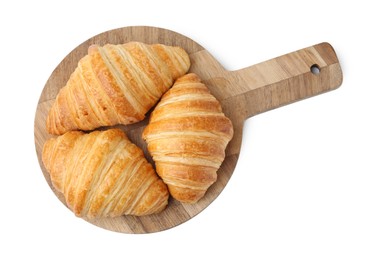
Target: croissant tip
(93,48)
(189,78)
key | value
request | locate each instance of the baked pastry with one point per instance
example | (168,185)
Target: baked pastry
(187,136)
(103,174)
(115,84)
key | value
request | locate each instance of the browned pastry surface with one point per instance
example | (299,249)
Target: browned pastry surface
(103,174)
(116,84)
(187,136)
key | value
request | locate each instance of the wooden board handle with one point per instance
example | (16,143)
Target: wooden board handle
(283,80)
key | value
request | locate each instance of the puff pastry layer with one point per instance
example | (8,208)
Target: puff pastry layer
(187,136)
(115,84)
(103,174)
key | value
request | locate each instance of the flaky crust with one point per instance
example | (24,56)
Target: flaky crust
(103,174)
(115,84)
(187,136)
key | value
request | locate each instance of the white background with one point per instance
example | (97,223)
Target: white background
(302,186)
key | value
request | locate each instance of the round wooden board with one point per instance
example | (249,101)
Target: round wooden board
(176,213)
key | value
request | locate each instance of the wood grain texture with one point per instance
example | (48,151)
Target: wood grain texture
(242,93)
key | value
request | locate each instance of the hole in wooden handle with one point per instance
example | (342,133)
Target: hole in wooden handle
(315,69)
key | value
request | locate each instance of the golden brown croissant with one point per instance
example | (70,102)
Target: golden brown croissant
(103,174)
(187,136)
(116,84)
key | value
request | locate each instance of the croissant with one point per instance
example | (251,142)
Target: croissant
(103,174)
(187,136)
(115,84)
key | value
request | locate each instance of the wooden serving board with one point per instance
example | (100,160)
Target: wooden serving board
(242,93)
